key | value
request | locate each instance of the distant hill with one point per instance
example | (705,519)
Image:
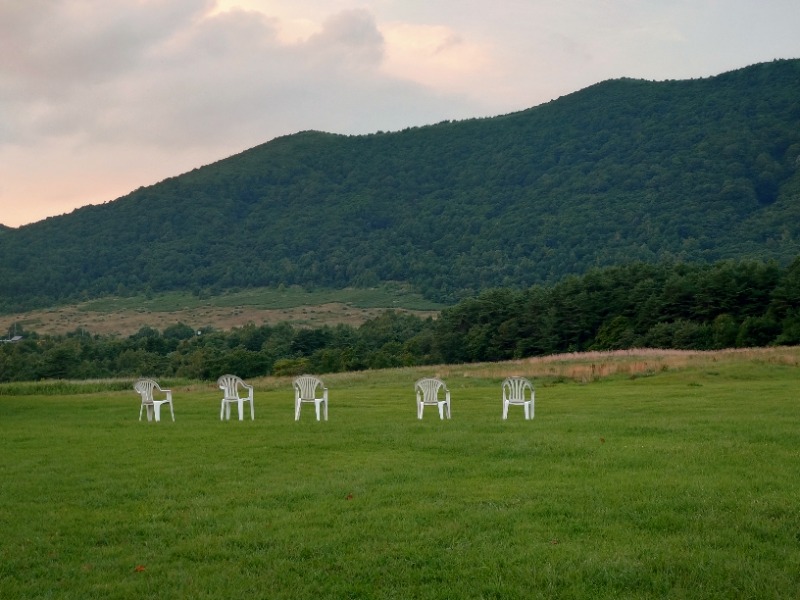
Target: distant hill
(625,170)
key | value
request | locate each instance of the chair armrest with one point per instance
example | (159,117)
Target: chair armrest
(161,390)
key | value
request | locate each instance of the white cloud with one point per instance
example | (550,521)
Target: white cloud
(435,56)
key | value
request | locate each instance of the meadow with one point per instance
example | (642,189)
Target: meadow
(126,315)
(643,475)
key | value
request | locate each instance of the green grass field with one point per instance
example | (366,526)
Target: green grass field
(385,296)
(672,482)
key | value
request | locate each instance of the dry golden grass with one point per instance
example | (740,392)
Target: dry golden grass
(591,366)
(71,318)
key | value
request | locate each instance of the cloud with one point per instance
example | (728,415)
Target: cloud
(436,56)
(349,39)
(173,73)
(61,60)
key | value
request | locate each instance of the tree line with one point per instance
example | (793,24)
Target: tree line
(668,305)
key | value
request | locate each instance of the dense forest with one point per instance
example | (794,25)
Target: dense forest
(723,305)
(627,170)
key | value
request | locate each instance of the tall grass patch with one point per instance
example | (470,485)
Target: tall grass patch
(679,484)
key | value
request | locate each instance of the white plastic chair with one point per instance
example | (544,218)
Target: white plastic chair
(305,392)
(145,388)
(230,384)
(514,394)
(428,395)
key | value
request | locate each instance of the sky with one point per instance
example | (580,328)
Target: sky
(101,97)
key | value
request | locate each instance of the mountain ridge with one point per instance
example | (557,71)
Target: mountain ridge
(623,170)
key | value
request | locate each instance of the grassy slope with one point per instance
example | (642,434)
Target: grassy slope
(126,316)
(671,478)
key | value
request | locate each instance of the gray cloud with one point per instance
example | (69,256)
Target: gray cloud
(160,74)
(350,39)
(50,47)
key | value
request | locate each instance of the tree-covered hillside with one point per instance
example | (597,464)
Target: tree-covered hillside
(625,170)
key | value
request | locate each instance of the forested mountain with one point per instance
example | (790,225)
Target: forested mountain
(625,170)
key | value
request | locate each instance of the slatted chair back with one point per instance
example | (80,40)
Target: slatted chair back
(515,388)
(229,384)
(306,387)
(429,388)
(145,389)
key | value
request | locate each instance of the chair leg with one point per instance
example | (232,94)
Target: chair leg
(419,410)
(252,411)
(297,405)
(222,411)
(149,410)
(157,411)
(241,409)
(141,408)
(172,412)
(316,409)
(505,410)
(325,406)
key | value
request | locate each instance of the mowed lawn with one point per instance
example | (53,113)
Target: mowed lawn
(684,483)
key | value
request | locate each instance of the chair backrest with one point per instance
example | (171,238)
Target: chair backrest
(429,387)
(229,385)
(306,386)
(145,389)
(514,388)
